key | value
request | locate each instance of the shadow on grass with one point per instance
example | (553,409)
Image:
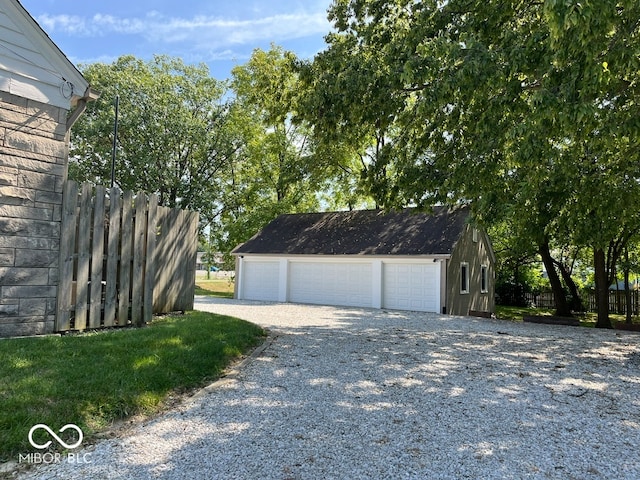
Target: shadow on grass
(94,379)
(431,395)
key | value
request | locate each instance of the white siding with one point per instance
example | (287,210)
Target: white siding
(31,66)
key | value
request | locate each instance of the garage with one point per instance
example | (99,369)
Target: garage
(400,260)
(411,286)
(330,283)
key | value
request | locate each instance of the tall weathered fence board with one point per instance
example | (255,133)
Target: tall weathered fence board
(111,292)
(125,255)
(139,259)
(97,253)
(84,256)
(119,258)
(67,250)
(150,267)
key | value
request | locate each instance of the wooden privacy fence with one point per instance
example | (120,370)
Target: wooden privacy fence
(122,258)
(617,301)
(175,260)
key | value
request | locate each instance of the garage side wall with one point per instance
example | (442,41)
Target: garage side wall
(474,250)
(33,153)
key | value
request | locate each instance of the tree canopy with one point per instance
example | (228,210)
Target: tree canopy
(526,110)
(229,150)
(175,137)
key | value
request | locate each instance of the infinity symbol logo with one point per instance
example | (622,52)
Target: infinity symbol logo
(52,433)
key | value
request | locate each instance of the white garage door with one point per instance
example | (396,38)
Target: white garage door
(411,286)
(347,284)
(260,280)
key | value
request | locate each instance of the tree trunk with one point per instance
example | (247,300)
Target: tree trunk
(576,302)
(562,306)
(602,288)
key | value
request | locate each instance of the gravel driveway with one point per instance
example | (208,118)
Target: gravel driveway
(342,393)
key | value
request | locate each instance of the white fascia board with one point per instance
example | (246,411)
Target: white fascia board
(55,58)
(345,258)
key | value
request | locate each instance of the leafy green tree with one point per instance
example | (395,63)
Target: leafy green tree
(346,102)
(526,110)
(174,134)
(517,264)
(598,44)
(283,168)
(275,173)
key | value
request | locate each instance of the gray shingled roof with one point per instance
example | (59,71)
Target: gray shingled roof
(360,232)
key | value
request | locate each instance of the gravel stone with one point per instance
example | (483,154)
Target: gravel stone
(347,393)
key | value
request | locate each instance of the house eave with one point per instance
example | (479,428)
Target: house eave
(67,76)
(81,106)
(60,60)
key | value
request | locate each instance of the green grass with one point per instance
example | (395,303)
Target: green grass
(95,379)
(515,314)
(215,287)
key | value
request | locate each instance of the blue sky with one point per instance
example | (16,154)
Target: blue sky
(219,33)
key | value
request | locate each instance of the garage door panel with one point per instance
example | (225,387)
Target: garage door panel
(261,280)
(411,286)
(347,284)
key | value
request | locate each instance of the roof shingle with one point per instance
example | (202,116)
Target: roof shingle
(361,232)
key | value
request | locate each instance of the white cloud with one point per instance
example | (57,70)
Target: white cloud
(210,31)
(101,23)
(70,24)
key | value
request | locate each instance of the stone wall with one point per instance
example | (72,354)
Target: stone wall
(33,156)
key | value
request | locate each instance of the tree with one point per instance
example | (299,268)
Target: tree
(528,111)
(343,86)
(283,168)
(275,173)
(174,134)
(518,268)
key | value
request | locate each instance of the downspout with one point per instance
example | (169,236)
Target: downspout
(81,106)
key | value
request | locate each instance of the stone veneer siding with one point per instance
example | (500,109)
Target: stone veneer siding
(33,166)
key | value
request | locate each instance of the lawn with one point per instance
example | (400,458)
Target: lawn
(216,286)
(515,314)
(95,379)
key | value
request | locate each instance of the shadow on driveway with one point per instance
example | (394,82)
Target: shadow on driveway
(355,393)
